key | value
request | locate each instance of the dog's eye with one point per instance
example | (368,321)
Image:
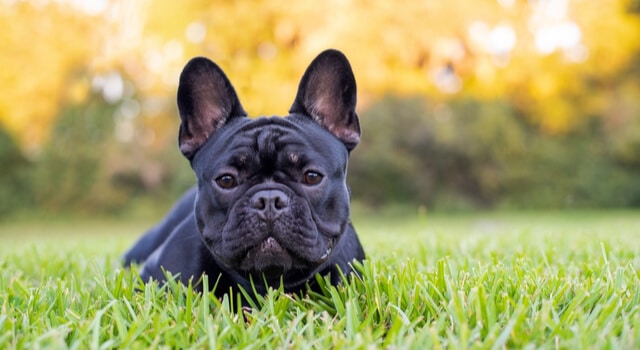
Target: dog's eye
(226,181)
(311,178)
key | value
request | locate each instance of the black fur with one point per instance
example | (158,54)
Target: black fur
(271,203)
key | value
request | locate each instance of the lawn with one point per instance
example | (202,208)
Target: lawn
(485,280)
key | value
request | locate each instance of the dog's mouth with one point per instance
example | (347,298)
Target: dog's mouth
(268,257)
(270,260)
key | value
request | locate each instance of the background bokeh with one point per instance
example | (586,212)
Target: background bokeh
(464,105)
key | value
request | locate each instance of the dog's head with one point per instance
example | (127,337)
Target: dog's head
(272,195)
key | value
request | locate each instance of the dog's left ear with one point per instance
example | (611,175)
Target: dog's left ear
(206,101)
(327,94)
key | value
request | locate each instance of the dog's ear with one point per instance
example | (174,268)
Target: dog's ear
(327,94)
(206,101)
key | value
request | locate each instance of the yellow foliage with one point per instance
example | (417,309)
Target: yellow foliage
(440,49)
(41,49)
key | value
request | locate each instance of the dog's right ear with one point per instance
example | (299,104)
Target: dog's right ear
(206,101)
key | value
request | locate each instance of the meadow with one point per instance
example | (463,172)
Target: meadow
(552,280)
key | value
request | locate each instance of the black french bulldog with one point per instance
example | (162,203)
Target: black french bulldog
(271,203)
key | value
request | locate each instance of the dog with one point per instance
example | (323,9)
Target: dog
(271,205)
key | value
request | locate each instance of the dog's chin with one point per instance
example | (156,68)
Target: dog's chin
(268,258)
(270,262)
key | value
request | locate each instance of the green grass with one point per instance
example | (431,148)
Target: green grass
(478,281)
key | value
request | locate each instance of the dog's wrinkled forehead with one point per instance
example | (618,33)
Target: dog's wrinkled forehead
(270,142)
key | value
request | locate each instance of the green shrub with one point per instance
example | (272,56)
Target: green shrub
(485,154)
(13,177)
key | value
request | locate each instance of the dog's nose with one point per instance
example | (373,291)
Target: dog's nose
(270,204)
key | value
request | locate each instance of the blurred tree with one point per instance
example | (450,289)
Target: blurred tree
(71,163)
(530,51)
(14,177)
(530,76)
(474,153)
(42,44)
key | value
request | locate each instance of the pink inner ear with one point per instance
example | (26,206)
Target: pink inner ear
(346,135)
(325,110)
(192,144)
(187,148)
(320,111)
